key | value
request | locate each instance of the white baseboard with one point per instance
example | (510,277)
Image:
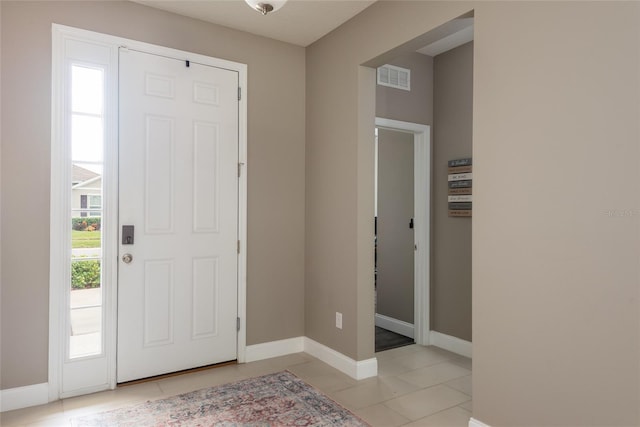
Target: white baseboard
(358,370)
(355,369)
(453,344)
(23,397)
(475,423)
(271,349)
(38,394)
(395,325)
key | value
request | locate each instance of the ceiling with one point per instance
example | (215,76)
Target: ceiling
(300,22)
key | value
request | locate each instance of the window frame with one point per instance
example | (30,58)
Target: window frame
(84,374)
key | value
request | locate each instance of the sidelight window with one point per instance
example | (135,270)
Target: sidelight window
(86,124)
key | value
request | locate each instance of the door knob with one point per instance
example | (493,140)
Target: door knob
(127,258)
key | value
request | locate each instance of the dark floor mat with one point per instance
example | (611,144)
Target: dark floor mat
(386,340)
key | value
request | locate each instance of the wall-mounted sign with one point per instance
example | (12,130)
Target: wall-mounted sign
(460,184)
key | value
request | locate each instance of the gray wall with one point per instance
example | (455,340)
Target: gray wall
(416,105)
(275,167)
(395,283)
(451,244)
(557,191)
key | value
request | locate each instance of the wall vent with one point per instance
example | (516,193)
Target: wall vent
(392,76)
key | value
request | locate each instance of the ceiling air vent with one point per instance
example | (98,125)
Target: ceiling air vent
(392,76)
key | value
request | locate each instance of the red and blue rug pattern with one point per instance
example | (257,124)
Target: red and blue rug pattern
(279,399)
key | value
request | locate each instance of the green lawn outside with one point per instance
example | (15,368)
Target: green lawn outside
(85,239)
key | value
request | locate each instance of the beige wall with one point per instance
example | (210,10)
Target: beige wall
(275,167)
(395,240)
(451,244)
(339,167)
(555,147)
(416,105)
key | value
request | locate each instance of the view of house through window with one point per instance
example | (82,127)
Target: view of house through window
(86,120)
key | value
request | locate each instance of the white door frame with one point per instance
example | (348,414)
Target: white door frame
(422,224)
(60,201)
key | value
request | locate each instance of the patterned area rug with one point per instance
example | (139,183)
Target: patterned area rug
(279,399)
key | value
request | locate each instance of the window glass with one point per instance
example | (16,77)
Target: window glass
(87,95)
(87,142)
(86,138)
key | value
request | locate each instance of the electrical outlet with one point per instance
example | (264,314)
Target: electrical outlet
(338,320)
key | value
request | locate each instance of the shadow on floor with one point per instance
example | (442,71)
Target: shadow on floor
(386,340)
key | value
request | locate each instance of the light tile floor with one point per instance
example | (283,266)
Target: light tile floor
(416,386)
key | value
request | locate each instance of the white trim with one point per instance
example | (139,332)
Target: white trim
(451,343)
(422,229)
(475,423)
(271,349)
(24,397)
(57,260)
(422,207)
(358,370)
(110,199)
(242,211)
(355,369)
(394,325)
(106,55)
(57,302)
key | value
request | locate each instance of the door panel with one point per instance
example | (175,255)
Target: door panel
(177,298)
(159,174)
(395,238)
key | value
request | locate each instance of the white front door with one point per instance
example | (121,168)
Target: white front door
(178,157)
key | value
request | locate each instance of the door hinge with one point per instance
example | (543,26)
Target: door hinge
(239,93)
(239,169)
(238,246)
(237,323)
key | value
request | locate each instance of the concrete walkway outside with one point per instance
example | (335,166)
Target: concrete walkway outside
(86,321)
(86,252)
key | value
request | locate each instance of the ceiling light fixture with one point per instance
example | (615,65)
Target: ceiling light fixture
(266,6)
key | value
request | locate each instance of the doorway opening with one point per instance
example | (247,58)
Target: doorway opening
(402,186)
(438,70)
